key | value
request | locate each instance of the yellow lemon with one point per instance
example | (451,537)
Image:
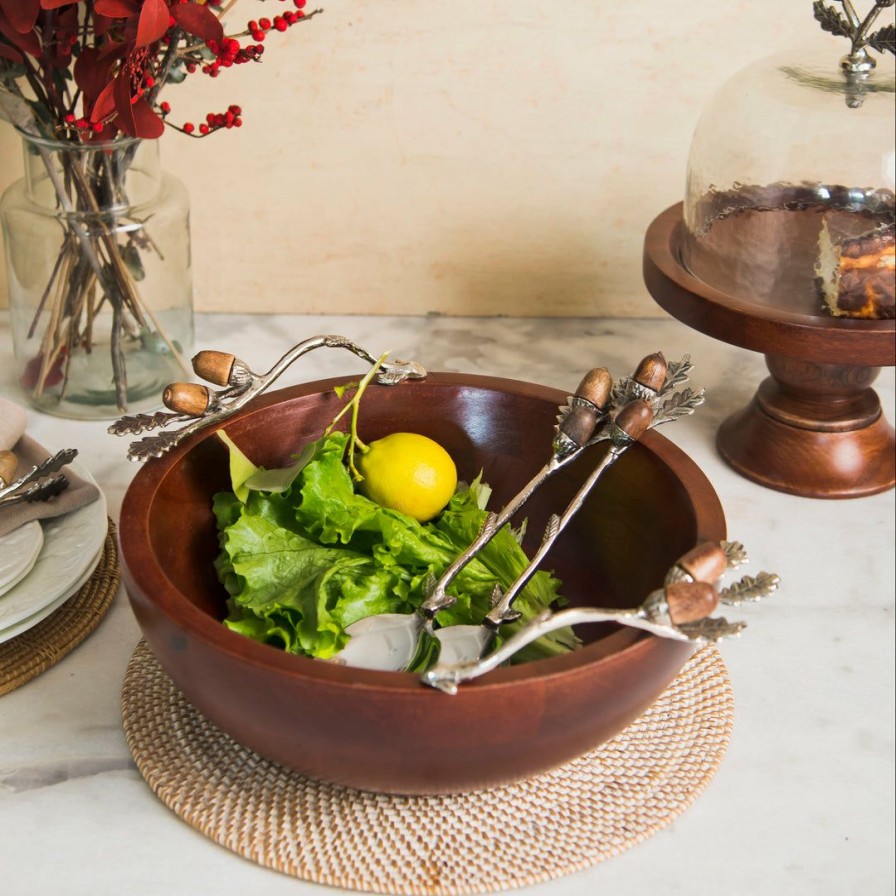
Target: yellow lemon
(409,473)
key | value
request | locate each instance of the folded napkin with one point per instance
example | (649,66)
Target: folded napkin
(29,454)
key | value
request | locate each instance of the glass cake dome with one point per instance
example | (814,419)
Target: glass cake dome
(790,185)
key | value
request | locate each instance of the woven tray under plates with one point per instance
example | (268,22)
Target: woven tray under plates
(37,649)
(575,816)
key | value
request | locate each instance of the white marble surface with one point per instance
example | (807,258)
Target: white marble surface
(803,803)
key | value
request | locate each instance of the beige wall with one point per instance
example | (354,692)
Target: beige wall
(469,157)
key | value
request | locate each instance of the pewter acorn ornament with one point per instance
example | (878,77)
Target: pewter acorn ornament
(198,407)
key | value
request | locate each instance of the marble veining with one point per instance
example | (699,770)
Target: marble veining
(24,778)
(803,804)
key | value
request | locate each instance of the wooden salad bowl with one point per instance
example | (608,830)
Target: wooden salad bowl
(385,731)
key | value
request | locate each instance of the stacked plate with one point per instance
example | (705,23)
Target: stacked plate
(42,564)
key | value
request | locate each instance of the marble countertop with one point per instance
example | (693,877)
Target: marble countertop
(804,800)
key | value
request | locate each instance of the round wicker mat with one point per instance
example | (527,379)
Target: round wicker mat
(570,818)
(35,650)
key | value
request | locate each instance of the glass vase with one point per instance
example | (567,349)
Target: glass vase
(100,286)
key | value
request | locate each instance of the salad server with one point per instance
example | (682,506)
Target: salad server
(38,484)
(39,491)
(625,411)
(680,610)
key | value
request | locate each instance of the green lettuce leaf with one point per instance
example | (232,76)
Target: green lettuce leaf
(241,468)
(304,562)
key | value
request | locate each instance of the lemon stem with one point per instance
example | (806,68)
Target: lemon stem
(354,442)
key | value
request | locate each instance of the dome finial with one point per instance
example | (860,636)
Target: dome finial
(857,30)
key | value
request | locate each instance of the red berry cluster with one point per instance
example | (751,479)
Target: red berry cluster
(82,124)
(259,28)
(228,51)
(214,121)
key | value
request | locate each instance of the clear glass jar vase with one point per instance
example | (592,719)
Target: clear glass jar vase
(99,271)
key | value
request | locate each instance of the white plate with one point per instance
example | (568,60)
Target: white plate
(23,625)
(18,553)
(71,546)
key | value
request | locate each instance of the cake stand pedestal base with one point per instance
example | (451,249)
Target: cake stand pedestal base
(814,430)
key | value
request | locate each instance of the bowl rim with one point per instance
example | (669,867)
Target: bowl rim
(155,586)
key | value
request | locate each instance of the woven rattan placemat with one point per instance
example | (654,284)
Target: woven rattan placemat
(568,819)
(35,650)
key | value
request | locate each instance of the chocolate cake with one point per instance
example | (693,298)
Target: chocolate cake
(856,268)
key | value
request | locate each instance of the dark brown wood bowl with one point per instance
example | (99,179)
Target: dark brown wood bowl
(385,731)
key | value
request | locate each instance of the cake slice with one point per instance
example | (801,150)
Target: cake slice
(856,267)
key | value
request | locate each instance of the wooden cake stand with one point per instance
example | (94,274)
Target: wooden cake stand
(814,427)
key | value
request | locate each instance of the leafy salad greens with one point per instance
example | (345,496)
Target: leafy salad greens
(303,556)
